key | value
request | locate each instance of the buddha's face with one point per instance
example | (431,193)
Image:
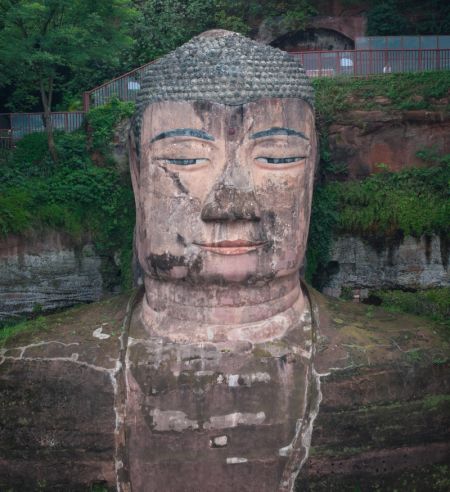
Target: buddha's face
(223,193)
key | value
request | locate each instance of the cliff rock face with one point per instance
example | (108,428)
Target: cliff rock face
(50,271)
(412,264)
(363,139)
(383,414)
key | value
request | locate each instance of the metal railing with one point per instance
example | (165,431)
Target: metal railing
(372,62)
(316,64)
(125,87)
(13,126)
(402,42)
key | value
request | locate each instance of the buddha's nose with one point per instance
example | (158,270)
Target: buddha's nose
(232,198)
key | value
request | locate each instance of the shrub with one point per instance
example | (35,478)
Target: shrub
(431,303)
(75,196)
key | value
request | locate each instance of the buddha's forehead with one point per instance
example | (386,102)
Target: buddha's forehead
(215,117)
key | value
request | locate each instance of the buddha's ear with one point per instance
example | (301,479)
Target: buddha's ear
(134,164)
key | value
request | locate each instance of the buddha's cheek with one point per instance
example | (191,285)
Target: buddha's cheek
(168,223)
(285,218)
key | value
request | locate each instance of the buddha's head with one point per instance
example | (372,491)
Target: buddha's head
(223,151)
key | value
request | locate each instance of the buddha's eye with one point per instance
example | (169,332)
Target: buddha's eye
(280,160)
(185,162)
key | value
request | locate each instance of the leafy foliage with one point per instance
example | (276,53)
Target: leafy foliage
(402,91)
(393,17)
(386,19)
(102,120)
(75,196)
(324,218)
(12,329)
(413,201)
(44,43)
(162,25)
(431,303)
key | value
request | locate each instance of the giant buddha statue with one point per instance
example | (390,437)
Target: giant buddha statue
(211,377)
(220,364)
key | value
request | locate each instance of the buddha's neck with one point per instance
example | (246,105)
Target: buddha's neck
(181,310)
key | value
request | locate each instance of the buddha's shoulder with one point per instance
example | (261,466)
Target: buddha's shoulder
(59,380)
(84,336)
(351,335)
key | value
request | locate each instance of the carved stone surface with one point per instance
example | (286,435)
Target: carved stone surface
(384,412)
(218,416)
(58,406)
(215,383)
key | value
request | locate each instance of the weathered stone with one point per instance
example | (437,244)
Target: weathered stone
(216,383)
(320,32)
(409,264)
(384,417)
(58,407)
(363,139)
(384,382)
(47,271)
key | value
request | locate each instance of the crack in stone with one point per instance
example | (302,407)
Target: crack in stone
(23,349)
(63,359)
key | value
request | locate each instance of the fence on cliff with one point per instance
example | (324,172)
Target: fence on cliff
(14,126)
(357,63)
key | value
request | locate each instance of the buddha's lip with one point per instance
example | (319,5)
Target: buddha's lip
(232,247)
(231,243)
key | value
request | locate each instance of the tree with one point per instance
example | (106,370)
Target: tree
(44,42)
(385,19)
(162,25)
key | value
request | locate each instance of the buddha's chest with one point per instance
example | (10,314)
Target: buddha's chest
(210,417)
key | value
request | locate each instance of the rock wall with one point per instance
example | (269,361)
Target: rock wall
(383,416)
(47,271)
(363,139)
(408,264)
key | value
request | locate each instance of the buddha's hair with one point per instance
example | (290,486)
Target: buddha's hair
(224,67)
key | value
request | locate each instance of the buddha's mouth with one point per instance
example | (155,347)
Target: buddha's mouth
(231,247)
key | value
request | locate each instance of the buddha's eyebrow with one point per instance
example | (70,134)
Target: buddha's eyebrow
(183,132)
(277,130)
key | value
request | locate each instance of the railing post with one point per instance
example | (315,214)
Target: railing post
(86,101)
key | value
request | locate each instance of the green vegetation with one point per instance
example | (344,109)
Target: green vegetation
(36,325)
(387,204)
(84,199)
(413,202)
(163,25)
(53,50)
(382,206)
(401,91)
(324,218)
(393,17)
(74,196)
(431,303)
(46,43)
